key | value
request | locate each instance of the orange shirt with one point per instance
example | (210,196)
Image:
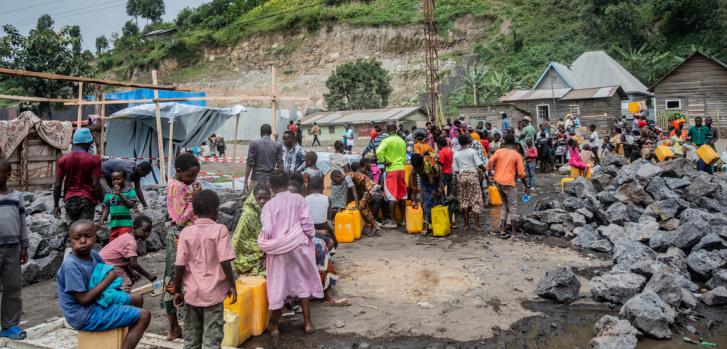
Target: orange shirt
(507,162)
(422,148)
(475,136)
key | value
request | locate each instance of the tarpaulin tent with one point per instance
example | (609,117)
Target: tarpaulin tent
(144,93)
(132,132)
(254,118)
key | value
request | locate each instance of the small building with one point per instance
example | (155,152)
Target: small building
(695,87)
(332,124)
(594,87)
(160,34)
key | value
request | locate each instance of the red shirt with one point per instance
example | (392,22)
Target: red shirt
(485,144)
(79,169)
(374,134)
(293,128)
(445,158)
(642,123)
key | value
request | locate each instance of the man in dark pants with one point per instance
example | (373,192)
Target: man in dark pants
(79,173)
(134,173)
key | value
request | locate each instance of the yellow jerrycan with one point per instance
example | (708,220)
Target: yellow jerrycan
(357,222)
(259,311)
(707,154)
(440,221)
(414,219)
(344,226)
(494,195)
(231,330)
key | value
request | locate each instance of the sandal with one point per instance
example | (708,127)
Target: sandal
(15,333)
(504,235)
(343,302)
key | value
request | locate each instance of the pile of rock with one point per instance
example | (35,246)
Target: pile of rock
(665,227)
(47,234)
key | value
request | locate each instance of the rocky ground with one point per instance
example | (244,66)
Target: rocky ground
(469,290)
(663,225)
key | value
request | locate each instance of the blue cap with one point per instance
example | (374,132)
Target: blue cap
(82,136)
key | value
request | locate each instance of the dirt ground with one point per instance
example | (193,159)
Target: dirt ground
(469,290)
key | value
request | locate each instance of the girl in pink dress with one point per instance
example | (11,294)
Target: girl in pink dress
(290,264)
(575,157)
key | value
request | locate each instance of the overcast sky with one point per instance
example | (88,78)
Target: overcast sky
(95,17)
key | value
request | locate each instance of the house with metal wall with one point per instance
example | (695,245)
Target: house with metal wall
(332,124)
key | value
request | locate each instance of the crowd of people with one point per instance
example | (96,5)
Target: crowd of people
(284,232)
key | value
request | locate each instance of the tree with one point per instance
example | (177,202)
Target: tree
(133,9)
(474,78)
(45,22)
(43,51)
(152,10)
(363,84)
(102,44)
(129,29)
(74,32)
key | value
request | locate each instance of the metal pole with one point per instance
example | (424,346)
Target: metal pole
(102,133)
(234,150)
(274,93)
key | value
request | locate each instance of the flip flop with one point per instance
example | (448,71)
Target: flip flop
(504,235)
(311,331)
(343,302)
(15,333)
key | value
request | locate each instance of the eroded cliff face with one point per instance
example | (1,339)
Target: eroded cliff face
(305,60)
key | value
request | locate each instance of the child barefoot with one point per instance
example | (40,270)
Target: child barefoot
(203,261)
(290,263)
(78,301)
(121,253)
(179,206)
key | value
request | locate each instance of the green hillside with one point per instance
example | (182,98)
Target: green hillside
(647,36)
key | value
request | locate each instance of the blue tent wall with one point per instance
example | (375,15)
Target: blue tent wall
(143,93)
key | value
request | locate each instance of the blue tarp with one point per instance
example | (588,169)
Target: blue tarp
(144,93)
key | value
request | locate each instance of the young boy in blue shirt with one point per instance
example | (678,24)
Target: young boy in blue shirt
(78,302)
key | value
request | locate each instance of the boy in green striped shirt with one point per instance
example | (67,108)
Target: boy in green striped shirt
(117,206)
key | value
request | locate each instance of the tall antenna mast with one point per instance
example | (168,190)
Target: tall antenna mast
(430,34)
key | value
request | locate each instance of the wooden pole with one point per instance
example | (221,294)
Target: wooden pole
(24,164)
(171,146)
(274,92)
(175,99)
(32,74)
(37,99)
(79,116)
(719,126)
(160,138)
(102,133)
(234,150)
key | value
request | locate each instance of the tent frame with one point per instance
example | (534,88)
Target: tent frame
(273,97)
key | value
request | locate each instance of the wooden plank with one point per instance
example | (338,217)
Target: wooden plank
(79,115)
(102,133)
(27,73)
(274,92)
(241,97)
(160,139)
(35,99)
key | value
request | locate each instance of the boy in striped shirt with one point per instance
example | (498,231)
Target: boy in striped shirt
(117,206)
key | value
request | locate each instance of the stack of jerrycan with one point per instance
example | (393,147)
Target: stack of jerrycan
(347,226)
(357,220)
(250,311)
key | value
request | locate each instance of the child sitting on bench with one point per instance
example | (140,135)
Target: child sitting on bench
(78,301)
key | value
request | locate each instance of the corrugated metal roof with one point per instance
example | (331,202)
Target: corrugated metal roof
(587,93)
(359,116)
(524,95)
(596,68)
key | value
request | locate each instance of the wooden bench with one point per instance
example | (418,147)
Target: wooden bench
(111,339)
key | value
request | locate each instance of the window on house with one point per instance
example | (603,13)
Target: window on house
(574,109)
(543,112)
(673,104)
(331,129)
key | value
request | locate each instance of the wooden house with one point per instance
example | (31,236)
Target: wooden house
(696,87)
(595,87)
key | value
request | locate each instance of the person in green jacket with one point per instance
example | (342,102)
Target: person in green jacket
(392,153)
(248,256)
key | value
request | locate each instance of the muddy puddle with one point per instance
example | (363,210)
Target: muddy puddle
(560,326)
